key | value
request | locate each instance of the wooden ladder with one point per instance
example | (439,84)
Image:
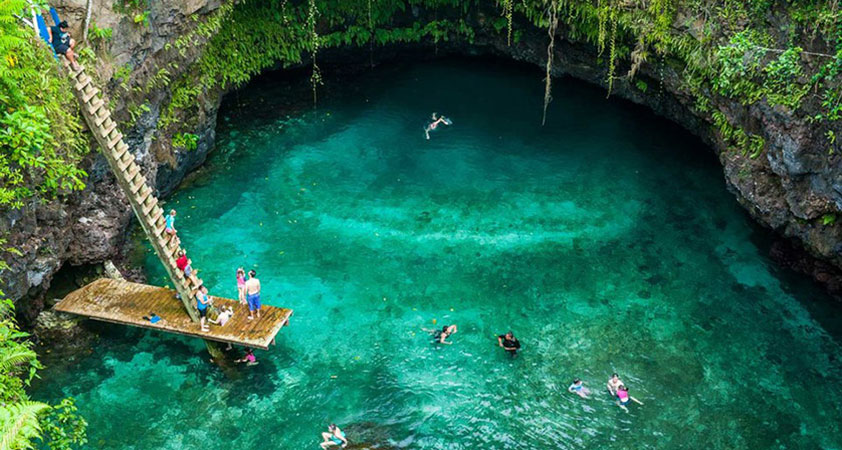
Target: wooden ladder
(141,197)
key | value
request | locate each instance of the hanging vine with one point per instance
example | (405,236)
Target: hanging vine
(370,37)
(612,51)
(551,29)
(316,77)
(602,20)
(508,9)
(284,17)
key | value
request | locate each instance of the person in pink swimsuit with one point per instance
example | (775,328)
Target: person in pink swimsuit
(623,398)
(241,285)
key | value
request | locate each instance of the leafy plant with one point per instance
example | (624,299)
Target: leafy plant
(98,34)
(186,141)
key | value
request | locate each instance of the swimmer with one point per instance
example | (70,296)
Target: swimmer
(578,388)
(248,358)
(613,383)
(440,336)
(334,436)
(623,398)
(509,343)
(436,121)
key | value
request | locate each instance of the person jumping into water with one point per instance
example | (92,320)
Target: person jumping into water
(436,121)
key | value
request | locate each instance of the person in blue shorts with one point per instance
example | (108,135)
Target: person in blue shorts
(62,43)
(333,436)
(253,294)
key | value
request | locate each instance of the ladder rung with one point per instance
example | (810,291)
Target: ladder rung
(95,106)
(146,197)
(133,170)
(160,220)
(158,212)
(123,165)
(113,143)
(73,73)
(124,155)
(139,182)
(86,97)
(83,81)
(100,119)
(104,132)
(147,207)
(169,242)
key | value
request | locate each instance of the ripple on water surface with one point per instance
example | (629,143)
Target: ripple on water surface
(605,240)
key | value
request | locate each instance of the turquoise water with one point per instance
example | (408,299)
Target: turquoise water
(606,240)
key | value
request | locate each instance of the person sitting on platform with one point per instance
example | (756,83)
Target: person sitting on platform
(248,358)
(223,317)
(202,303)
(62,43)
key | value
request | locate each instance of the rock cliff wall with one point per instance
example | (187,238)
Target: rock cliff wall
(91,226)
(788,188)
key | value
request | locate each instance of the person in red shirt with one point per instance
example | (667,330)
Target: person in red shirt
(181,262)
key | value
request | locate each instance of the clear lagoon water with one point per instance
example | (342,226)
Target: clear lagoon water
(606,241)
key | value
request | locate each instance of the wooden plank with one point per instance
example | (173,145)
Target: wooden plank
(125,303)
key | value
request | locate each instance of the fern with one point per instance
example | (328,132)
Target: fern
(19,425)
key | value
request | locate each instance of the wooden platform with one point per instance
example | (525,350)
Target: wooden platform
(126,303)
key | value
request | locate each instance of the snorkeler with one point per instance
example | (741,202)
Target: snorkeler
(334,436)
(440,336)
(436,121)
(623,398)
(578,388)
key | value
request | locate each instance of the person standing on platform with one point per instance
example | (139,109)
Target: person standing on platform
(241,285)
(202,303)
(253,294)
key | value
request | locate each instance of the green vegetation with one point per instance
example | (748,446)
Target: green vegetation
(24,423)
(723,49)
(185,141)
(136,10)
(41,140)
(781,54)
